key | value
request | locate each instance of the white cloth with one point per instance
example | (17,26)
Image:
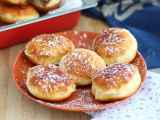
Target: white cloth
(144,105)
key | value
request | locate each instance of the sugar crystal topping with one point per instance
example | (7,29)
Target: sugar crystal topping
(115,74)
(48,77)
(111,36)
(111,40)
(49,41)
(80,61)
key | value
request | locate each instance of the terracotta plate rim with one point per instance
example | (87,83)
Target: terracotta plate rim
(36,100)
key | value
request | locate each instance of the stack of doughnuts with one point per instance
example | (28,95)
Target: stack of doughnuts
(60,66)
(12,11)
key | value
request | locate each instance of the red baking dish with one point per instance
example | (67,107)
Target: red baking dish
(63,18)
(24,33)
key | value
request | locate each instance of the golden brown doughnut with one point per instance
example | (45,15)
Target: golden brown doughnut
(116,82)
(81,64)
(14,2)
(45,5)
(49,83)
(48,48)
(116,45)
(12,14)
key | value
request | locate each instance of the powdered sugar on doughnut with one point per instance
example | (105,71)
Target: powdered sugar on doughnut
(47,77)
(82,61)
(79,60)
(115,75)
(111,40)
(111,36)
(47,42)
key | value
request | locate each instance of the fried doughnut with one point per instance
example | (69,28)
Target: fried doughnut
(12,14)
(45,5)
(14,2)
(81,64)
(48,48)
(116,82)
(116,45)
(49,83)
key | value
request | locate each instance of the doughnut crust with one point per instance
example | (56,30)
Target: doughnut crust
(49,83)
(45,5)
(116,45)
(116,82)
(14,2)
(81,64)
(48,48)
(12,14)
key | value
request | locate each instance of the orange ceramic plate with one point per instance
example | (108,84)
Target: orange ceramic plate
(81,100)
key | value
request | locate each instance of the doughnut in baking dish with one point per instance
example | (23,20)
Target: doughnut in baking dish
(45,5)
(14,2)
(11,14)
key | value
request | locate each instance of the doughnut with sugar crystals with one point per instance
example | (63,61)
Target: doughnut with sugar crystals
(49,83)
(116,45)
(116,82)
